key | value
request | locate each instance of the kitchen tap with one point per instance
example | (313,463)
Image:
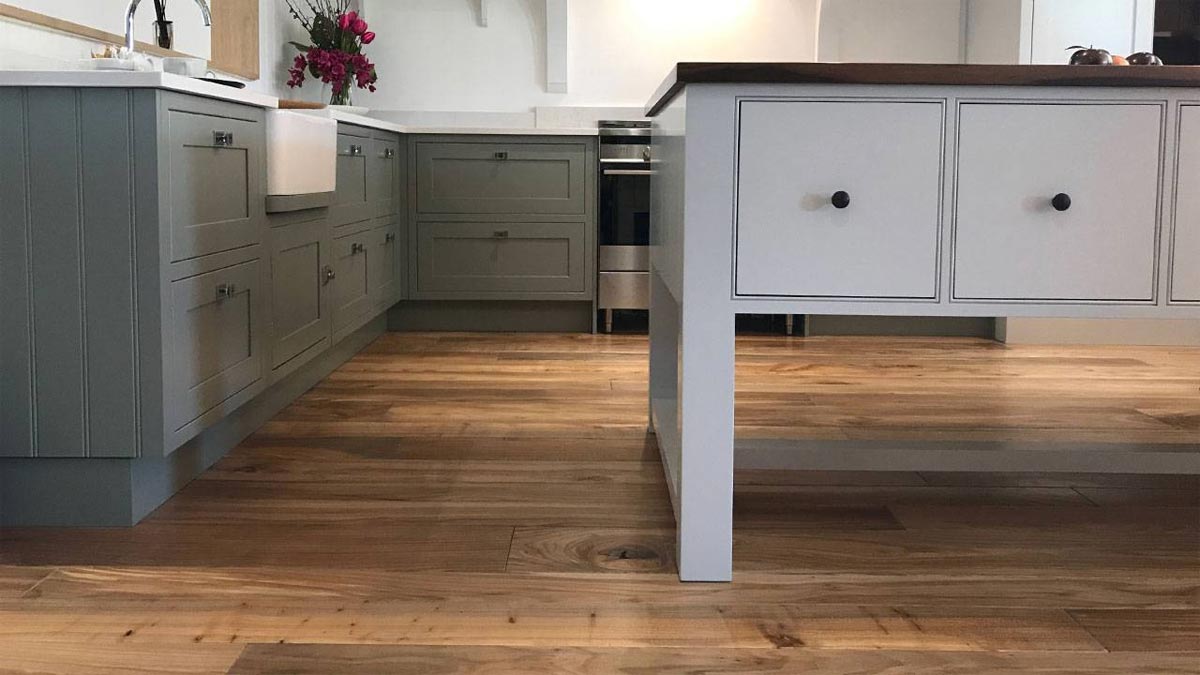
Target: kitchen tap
(130,43)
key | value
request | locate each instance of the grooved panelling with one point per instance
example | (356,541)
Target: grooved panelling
(16,354)
(54,216)
(112,391)
(68,275)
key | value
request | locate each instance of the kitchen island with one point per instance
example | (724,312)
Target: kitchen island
(906,190)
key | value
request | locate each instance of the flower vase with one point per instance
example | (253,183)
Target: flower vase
(341,101)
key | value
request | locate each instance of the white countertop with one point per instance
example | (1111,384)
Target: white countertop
(151,79)
(384,125)
(188,85)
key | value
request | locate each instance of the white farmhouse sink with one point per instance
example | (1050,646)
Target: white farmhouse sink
(301,154)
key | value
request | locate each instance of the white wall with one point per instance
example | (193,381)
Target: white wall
(434,55)
(892,31)
(191,37)
(27,47)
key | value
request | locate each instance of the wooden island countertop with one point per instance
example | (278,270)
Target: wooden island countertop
(919,74)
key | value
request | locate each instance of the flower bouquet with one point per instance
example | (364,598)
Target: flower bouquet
(335,56)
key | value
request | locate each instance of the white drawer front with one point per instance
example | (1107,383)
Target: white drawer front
(1012,243)
(794,156)
(1185,284)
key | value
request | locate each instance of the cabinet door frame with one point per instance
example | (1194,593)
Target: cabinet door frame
(501,152)
(758,271)
(352,202)
(383,275)
(249,131)
(383,175)
(576,285)
(186,411)
(350,314)
(1184,244)
(286,350)
(965,280)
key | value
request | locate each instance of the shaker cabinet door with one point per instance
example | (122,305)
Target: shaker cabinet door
(501,178)
(215,201)
(215,331)
(301,271)
(382,261)
(351,202)
(383,177)
(459,260)
(351,286)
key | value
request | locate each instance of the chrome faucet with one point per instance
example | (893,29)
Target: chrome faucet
(130,43)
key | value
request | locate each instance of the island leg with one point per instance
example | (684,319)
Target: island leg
(691,402)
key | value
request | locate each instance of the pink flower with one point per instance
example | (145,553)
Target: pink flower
(345,20)
(368,37)
(358,26)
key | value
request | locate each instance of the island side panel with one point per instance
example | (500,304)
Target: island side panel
(692,262)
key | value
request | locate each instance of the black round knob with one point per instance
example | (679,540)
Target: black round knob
(1061,201)
(841,199)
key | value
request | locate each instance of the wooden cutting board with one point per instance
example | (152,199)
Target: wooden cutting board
(288,104)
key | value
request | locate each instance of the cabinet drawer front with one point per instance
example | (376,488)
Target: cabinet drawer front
(301,317)
(215,198)
(1185,257)
(382,263)
(1013,243)
(351,203)
(351,287)
(491,258)
(215,345)
(501,178)
(383,177)
(880,163)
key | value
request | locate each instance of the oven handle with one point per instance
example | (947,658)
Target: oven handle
(628,172)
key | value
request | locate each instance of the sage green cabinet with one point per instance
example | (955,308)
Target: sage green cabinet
(351,202)
(130,244)
(215,190)
(383,176)
(384,266)
(502,218)
(301,274)
(477,259)
(351,285)
(502,177)
(215,348)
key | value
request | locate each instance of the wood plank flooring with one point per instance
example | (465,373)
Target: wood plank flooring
(458,503)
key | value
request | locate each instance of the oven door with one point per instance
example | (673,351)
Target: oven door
(624,204)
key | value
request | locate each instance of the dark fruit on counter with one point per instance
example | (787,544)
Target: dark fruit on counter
(1090,56)
(1144,59)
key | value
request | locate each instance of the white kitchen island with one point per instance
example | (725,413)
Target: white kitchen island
(908,190)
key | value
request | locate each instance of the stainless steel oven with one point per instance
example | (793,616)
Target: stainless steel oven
(624,263)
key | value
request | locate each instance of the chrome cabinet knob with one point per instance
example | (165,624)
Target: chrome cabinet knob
(356,248)
(500,234)
(389,153)
(222,139)
(226,291)
(330,275)
(501,156)
(390,237)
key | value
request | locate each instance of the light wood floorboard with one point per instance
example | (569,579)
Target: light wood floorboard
(461,503)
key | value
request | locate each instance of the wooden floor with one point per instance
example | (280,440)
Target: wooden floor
(488,504)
